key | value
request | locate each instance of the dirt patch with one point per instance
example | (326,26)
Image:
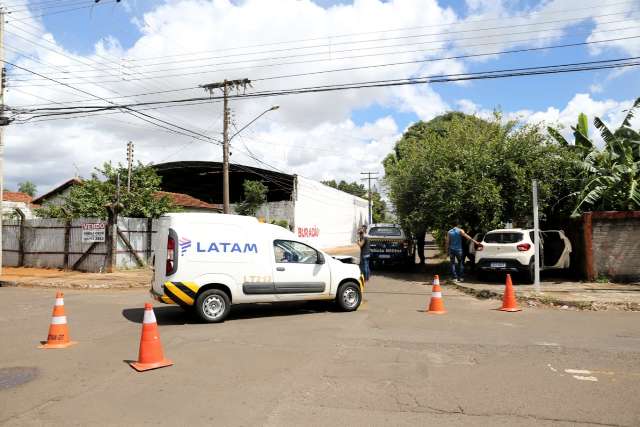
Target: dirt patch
(54,278)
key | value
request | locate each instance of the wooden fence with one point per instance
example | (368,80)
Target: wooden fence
(57,243)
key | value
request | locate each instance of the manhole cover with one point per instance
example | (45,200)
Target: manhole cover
(12,377)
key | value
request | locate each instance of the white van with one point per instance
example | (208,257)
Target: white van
(208,261)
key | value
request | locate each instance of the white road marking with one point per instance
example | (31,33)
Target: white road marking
(577,371)
(552,344)
(552,368)
(578,377)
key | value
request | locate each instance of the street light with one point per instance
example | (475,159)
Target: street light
(275,107)
(225,157)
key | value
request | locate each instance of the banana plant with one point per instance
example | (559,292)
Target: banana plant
(612,175)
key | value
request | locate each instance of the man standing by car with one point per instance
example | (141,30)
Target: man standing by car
(453,247)
(363,242)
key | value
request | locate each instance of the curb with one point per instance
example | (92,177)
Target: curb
(549,301)
(64,285)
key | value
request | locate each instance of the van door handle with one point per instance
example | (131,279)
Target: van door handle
(280,268)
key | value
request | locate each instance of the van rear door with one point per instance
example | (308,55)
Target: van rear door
(299,270)
(159,243)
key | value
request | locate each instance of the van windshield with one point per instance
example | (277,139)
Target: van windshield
(385,231)
(503,237)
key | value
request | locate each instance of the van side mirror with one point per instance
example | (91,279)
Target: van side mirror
(320,258)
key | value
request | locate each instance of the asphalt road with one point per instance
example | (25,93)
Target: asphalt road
(304,364)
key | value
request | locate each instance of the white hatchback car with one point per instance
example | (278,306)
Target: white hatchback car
(512,251)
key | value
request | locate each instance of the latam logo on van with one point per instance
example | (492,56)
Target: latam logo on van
(226,247)
(220,247)
(184,245)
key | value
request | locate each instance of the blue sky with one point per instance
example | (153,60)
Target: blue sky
(308,132)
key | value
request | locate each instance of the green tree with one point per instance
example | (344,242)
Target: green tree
(611,175)
(379,208)
(27,187)
(89,199)
(478,172)
(255,195)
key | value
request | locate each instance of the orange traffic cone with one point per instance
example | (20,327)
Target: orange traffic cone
(436,306)
(509,302)
(150,355)
(58,332)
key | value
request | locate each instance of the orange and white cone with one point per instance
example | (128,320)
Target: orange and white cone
(436,306)
(509,302)
(58,331)
(150,355)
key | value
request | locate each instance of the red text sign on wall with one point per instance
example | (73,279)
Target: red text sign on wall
(93,232)
(308,231)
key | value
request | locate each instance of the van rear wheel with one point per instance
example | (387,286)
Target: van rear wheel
(349,296)
(213,306)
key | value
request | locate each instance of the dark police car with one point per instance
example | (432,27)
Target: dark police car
(388,244)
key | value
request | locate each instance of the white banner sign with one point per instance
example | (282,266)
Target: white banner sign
(93,232)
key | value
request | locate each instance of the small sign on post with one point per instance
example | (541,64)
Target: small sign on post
(94,232)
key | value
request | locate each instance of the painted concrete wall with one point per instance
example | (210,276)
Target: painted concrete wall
(326,217)
(9,210)
(278,211)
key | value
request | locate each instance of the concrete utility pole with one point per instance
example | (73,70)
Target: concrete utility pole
(129,164)
(369,178)
(536,234)
(226,85)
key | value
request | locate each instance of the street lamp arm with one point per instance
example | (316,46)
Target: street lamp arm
(275,107)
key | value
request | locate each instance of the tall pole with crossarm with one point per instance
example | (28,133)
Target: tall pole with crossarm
(225,86)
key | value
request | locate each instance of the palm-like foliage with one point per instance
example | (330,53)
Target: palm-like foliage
(612,175)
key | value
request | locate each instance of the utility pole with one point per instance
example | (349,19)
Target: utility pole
(129,164)
(370,176)
(3,123)
(226,86)
(536,234)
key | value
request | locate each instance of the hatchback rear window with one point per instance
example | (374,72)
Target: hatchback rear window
(385,231)
(506,237)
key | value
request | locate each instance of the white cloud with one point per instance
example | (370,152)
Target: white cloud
(216,36)
(611,112)
(186,43)
(596,88)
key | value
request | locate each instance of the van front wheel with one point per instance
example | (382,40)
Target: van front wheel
(213,306)
(349,296)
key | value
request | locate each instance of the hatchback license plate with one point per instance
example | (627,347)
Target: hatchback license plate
(498,264)
(385,256)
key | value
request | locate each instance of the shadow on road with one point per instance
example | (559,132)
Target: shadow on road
(173,315)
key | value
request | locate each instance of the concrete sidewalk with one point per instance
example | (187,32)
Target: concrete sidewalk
(577,295)
(55,278)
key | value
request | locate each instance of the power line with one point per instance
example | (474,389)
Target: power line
(444,78)
(75,59)
(129,109)
(102,98)
(103,2)
(151,74)
(552,13)
(333,45)
(370,66)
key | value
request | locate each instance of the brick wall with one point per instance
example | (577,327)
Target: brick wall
(612,241)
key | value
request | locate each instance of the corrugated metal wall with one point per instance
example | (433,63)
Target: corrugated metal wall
(44,243)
